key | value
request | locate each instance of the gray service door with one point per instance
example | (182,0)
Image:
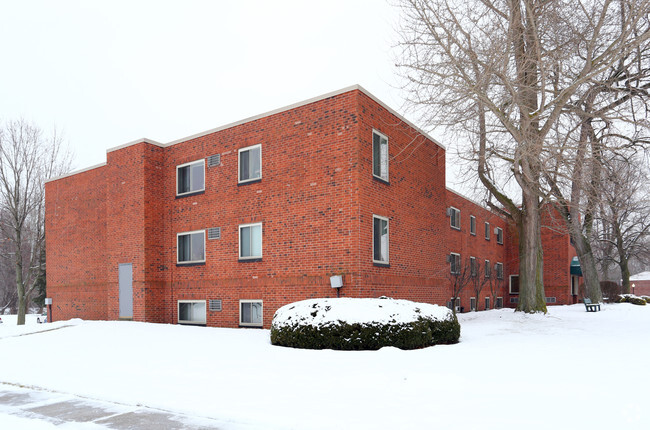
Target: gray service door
(126,290)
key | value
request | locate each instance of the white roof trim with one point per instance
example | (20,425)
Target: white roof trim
(280,110)
(482,206)
(76,172)
(263,115)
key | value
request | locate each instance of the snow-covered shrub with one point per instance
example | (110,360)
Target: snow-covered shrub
(363,324)
(631,298)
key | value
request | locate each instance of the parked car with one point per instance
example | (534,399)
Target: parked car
(42,318)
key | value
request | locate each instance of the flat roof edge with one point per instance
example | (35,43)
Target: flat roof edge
(135,142)
(487,208)
(75,172)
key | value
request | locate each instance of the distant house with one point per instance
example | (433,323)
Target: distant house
(223,227)
(641,282)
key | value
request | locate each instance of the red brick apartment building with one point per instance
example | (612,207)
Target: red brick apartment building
(224,227)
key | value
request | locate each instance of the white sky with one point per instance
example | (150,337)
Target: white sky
(107,73)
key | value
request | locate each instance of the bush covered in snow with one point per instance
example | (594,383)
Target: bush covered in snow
(631,298)
(363,324)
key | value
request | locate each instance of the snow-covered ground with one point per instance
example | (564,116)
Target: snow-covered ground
(567,369)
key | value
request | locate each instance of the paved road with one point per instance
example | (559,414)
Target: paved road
(58,409)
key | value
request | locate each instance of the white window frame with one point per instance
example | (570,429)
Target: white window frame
(239,151)
(510,284)
(473,268)
(499,235)
(487,303)
(487,269)
(381,135)
(487,230)
(177,248)
(472,225)
(180,166)
(243,324)
(496,305)
(496,269)
(387,261)
(473,308)
(455,214)
(261,240)
(178,310)
(452,255)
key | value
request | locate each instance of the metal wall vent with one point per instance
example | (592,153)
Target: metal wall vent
(514,299)
(551,300)
(214,233)
(215,305)
(214,160)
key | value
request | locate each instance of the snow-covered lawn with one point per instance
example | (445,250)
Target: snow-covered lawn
(567,369)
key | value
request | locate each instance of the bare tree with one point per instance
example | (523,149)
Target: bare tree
(477,280)
(27,160)
(625,222)
(504,73)
(459,277)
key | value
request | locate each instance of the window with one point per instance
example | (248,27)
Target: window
(473,266)
(472,225)
(514,284)
(190,177)
(250,163)
(454,218)
(250,241)
(487,231)
(379,239)
(499,269)
(190,247)
(499,303)
(499,236)
(454,261)
(191,311)
(379,155)
(487,303)
(472,304)
(250,313)
(488,269)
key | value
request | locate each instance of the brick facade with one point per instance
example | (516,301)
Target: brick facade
(316,201)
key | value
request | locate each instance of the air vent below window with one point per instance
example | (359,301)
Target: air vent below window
(514,299)
(214,233)
(215,305)
(214,160)
(551,300)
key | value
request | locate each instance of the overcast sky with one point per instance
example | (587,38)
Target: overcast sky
(107,73)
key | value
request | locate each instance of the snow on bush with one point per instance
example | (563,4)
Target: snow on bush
(363,324)
(631,298)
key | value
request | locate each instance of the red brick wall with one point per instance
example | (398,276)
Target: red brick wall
(75,216)
(316,201)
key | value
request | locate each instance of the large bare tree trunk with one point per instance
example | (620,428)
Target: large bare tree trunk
(531,258)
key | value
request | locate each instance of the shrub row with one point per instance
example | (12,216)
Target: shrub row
(635,300)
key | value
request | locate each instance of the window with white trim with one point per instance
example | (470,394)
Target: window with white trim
(472,225)
(250,241)
(190,247)
(487,230)
(190,177)
(379,155)
(250,163)
(473,266)
(454,263)
(380,243)
(488,269)
(499,269)
(499,236)
(454,218)
(191,312)
(250,313)
(472,304)
(514,284)
(487,303)
(499,303)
